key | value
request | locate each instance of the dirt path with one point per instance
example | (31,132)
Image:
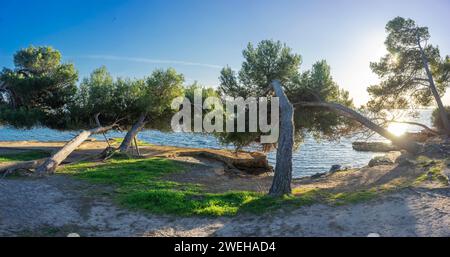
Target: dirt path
(58,205)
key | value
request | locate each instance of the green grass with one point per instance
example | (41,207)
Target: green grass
(140,184)
(424,161)
(433,174)
(353,197)
(23,156)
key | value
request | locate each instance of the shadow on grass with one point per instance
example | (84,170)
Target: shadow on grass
(23,155)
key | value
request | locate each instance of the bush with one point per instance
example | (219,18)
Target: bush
(436,118)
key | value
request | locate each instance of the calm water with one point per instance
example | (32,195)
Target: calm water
(312,157)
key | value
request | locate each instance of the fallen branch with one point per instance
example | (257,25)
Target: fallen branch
(50,165)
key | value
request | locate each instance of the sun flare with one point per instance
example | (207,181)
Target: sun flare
(397,129)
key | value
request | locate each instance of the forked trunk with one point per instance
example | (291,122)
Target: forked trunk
(132,133)
(281,184)
(50,165)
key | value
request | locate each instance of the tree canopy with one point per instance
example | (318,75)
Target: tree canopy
(404,80)
(38,88)
(159,90)
(113,99)
(273,60)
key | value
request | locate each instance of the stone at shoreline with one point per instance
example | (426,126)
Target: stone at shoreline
(380,160)
(335,168)
(374,146)
(319,175)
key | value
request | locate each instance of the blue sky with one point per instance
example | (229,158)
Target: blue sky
(198,37)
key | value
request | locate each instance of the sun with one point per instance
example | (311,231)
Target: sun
(397,129)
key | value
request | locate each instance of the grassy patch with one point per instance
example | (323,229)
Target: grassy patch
(433,174)
(352,197)
(423,161)
(140,184)
(23,156)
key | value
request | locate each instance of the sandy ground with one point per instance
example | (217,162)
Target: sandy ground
(58,205)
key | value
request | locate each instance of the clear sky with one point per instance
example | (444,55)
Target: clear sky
(198,37)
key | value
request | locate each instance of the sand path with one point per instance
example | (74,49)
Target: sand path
(58,205)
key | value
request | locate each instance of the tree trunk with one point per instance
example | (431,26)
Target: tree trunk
(442,112)
(50,165)
(281,184)
(408,145)
(131,134)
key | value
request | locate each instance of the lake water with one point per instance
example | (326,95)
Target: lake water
(311,158)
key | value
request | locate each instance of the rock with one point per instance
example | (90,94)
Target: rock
(439,149)
(373,235)
(380,160)
(335,168)
(374,147)
(73,235)
(318,175)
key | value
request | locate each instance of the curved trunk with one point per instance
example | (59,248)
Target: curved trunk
(50,165)
(408,145)
(283,169)
(132,133)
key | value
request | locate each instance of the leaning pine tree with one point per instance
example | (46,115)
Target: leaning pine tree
(412,73)
(36,91)
(152,106)
(42,92)
(310,102)
(98,98)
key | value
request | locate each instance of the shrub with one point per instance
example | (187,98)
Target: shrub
(436,118)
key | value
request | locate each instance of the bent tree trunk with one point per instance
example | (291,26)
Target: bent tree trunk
(132,133)
(437,97)
(281,184)
(50,165)
(408,145)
